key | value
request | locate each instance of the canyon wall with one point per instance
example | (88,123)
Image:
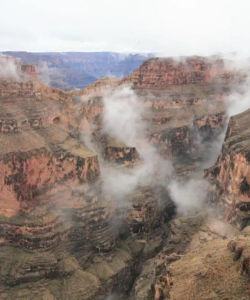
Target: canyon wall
(55,219)
(230,176)
(62,234)
(163,72)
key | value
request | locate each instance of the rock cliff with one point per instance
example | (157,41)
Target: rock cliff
(63,232)
(205,256)
(163,72)
(230,176)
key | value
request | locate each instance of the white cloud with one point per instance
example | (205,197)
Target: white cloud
(171,27)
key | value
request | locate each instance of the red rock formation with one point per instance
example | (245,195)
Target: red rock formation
(30,70)
(230,175)
(121,154)
(42,206)
(163,72)
(28,168)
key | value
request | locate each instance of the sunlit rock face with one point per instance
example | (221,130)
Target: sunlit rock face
(230,175)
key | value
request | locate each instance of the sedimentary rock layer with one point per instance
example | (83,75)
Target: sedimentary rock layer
(163,72)
(230,175)
(33,161)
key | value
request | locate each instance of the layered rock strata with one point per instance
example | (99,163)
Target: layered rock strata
(61,236)
(161,72)
(230,176)
(34,161)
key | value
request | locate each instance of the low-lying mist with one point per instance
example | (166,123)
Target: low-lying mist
(189,196)
(9,69)
(239,100)
(123,121)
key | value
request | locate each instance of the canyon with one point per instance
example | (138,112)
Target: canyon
(88,208)
(77,70)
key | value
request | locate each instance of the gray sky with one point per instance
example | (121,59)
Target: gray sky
(170,27)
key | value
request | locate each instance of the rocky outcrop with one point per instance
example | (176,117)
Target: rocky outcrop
(230,176)
(162,72)
(196,263)
(19,80)
(241,250)
(209,125)
(29,168)
(121,154)
(187,139)
(183,130)
(30,87)
(151,207)
(29,70)
(207,269)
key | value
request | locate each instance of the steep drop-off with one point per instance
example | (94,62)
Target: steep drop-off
(230,176)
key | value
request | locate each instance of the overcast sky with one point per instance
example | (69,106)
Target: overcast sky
(171,27)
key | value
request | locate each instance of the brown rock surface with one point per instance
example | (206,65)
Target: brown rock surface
(163,72)
(230,176)
(29,168)
(61,237)
(195,264)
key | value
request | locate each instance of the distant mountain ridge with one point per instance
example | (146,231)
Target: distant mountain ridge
(76,70)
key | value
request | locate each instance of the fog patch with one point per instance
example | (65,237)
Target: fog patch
(44,73)
(123,121)
(122,116)
(189,196)
(9,69)
(113,297)
(238,102)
